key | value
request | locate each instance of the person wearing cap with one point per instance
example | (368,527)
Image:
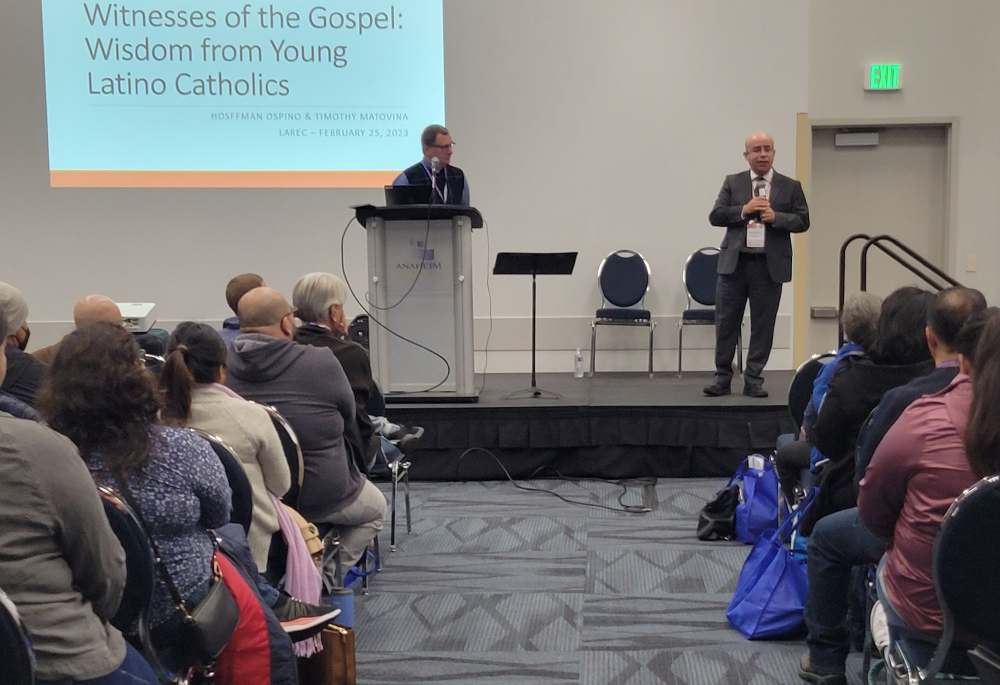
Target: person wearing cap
(24,372)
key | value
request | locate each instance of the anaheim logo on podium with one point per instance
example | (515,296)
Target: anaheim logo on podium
(419,254)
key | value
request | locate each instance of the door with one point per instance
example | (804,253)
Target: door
(897,187)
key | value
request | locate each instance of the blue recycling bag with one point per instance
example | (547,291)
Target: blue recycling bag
(757,512)
(771,592)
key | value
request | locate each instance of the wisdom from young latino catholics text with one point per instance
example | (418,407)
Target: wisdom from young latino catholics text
(222,64)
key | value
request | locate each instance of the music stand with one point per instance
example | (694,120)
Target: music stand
(534,263)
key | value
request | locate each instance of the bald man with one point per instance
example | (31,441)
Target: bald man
(309,388)
(88,310)
(759,209)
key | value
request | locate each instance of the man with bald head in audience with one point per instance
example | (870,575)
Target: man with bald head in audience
(308,387)
(88,310)
(237,287)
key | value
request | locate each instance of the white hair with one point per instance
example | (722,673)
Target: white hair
(315,293)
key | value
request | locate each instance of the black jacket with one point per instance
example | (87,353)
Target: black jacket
(358,367)
(854,391)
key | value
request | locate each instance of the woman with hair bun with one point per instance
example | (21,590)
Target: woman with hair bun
(195,397)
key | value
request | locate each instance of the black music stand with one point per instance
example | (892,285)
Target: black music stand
(534,263)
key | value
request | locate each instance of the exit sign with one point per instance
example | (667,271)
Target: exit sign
(883,77)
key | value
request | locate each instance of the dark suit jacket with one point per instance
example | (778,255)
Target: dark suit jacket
(791,215)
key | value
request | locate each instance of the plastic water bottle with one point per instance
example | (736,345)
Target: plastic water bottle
(578,364)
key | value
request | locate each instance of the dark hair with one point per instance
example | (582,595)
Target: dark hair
(982,437)
(967,337)
(194,354)
(98,394)
(430,134)
(900,338)
(239,286)
(951,309)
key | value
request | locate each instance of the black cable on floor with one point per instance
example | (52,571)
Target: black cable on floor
(625,508)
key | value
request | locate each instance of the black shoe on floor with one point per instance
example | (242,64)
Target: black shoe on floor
(754,391)
(288,609)
(811,675)
(717,389)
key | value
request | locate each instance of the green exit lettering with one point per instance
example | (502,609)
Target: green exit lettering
(884,77)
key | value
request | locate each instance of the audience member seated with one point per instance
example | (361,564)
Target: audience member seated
(88,310)
(917,471)
(24,372)
(898,355)
(237,287)
(840,540)
(99,395)
(193,397)
(319,299)
(61,564)
(859,321)
(308,386)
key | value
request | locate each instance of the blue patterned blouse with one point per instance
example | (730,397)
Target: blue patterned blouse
(181,493)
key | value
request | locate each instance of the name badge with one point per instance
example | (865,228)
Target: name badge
(755,234)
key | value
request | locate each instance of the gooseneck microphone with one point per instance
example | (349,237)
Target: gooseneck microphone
(435,166)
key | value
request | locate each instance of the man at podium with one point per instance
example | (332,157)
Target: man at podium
(435,169)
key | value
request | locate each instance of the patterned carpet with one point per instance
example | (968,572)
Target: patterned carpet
(499,585)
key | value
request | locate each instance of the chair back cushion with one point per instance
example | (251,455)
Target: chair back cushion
(15,651)
(293,456)
(140,571)
(239,483)
(623,278)
(800,390)
(700,276)
(967,561)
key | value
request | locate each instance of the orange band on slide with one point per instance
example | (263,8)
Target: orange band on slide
(221,179)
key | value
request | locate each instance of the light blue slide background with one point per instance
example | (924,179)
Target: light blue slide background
(389,72)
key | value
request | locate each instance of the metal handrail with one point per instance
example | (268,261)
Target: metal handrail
(877,242)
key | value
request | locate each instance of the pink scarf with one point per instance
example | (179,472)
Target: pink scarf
(302,580)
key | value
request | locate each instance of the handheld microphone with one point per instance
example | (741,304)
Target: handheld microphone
(761,192)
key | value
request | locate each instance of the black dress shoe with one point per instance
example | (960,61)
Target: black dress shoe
(754,391)
(717,389)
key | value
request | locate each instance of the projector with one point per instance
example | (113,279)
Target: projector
(137,317)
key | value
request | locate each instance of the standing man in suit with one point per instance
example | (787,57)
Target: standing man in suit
(450,185)
(760,210)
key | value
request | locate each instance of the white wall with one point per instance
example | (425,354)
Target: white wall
(584,125)
(950,69)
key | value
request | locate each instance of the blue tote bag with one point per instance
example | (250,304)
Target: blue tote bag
(757,513)
(771,592)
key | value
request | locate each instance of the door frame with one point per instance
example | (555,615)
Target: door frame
(804,172)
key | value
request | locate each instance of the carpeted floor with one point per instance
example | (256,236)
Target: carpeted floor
(498,585)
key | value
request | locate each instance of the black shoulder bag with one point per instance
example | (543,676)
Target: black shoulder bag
(205,630)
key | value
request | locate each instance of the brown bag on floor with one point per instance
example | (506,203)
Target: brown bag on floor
(335,664)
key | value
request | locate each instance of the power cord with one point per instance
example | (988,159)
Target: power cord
(624,484)
(371,317)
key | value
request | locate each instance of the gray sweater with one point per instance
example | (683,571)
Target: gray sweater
(309,388)
(59,560)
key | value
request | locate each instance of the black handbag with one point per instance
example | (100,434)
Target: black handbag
(717,519)
(193,636)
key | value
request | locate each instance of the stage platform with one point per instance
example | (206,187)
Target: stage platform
(615,425)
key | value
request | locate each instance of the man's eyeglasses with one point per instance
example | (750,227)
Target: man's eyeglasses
(443,147)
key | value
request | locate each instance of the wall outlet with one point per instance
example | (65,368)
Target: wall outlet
(970,263)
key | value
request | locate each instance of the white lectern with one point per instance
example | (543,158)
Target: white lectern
(420,288)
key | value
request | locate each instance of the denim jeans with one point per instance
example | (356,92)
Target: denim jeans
(133,671)
(839,542)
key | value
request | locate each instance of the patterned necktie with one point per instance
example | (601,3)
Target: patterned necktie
(439,185)
(759,186)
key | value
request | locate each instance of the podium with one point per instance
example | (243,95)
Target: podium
(420,299)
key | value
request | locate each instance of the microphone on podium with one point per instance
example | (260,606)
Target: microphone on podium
(435,167)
